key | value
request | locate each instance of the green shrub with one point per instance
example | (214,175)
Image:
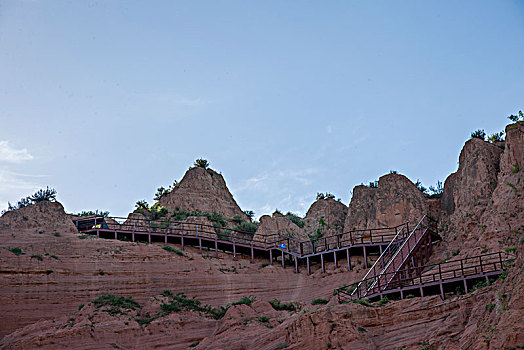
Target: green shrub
(479,285)
(263,319)
(264,264)
(101,272)
(201,163)
(319,301)
(511,250)
(277,305)
(94,213)
(57,234)
(245,300)
(516,118)
(245,226)
(16,251)
(326,195)
(49,194)
(455,252)
(490,307)
(48,272)
(496,137)
(383,301)
(479,134)
(80,307)
(364,302)
(115,302)
(295,219)
(160,192)
(515,168)
(170,249)
(38,257)
(362,329)
(145,320)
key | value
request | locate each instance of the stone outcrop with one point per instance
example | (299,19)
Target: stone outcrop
(277,229)
(325,218)
(483,201)
(136,221)
(202,190)
(326,215)
(396,200)
(45,215)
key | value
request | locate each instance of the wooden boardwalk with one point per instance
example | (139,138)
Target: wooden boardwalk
(332,248)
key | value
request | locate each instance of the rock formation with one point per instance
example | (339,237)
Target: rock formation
(395,201)
(326,215)
(484,199)
(45,215)
(202,190)
(325,218)
(278,229)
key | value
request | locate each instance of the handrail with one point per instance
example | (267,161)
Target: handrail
(484,263)
(268,240)
(384,252)
(397,252)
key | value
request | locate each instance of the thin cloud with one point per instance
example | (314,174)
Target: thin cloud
(14,186)
(11,155)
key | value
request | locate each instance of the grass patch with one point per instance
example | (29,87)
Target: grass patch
(172,250)
(277,305)
(80,307)
(362,329)
(319,301)
(16,251)
(115,305)
(245,300)
(511,250)
(263,319)
(383,301)
(490,307)
(57,234)
(264,264)
(455,252)
(38,257)
(48,272)
(364,302)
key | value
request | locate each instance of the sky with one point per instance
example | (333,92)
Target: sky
(106,101)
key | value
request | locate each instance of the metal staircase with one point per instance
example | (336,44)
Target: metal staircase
(405,255)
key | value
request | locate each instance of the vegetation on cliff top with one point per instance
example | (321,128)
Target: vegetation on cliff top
(49,194)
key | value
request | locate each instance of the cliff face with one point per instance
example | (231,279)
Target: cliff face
(483,203)
(202,190)
(326,215)
(395,201)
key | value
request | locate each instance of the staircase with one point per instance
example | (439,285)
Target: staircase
(405,255)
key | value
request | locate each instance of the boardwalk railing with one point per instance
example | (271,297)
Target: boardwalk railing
(452,270)
(291,245)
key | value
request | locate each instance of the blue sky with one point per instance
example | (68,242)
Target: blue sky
(108,100)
